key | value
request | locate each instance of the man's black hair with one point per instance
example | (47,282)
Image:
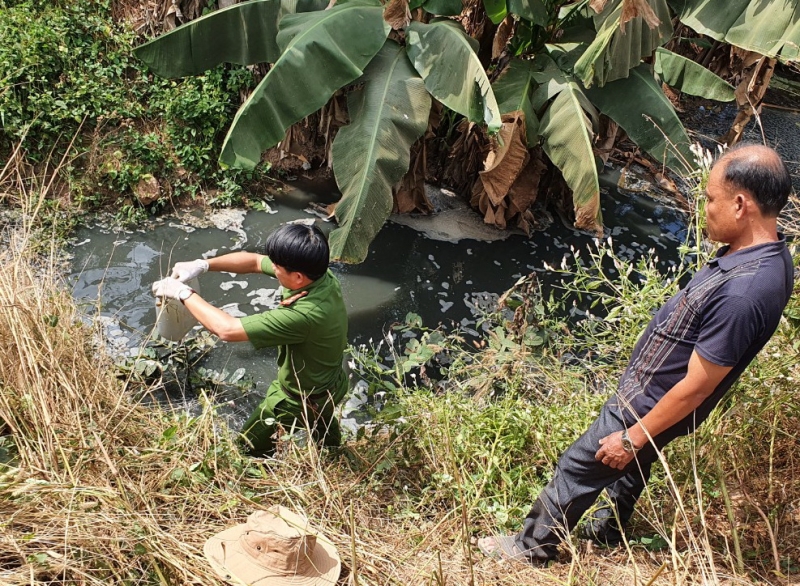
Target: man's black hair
(761,172)
(299,248)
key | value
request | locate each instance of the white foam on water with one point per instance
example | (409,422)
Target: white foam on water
(228,285)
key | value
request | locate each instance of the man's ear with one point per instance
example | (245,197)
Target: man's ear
(299,279)
(741,201)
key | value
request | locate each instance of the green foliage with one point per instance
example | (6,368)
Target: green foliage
(649,119)
(256,20)
(514,89)
(59,65)
(306,75)
(372,153)
(616,50)
(66,71)
(494,457)
(690,77)
(446,59)
(768,28)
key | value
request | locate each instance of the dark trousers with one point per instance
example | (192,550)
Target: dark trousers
(280,408)
(577,482)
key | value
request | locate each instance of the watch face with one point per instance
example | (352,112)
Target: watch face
(627,444)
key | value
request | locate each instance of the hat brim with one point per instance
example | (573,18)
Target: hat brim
(225,554)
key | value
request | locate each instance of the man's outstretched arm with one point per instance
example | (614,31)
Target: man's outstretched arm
(702,377)
(235,262)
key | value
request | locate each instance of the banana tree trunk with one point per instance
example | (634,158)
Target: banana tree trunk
(749,95)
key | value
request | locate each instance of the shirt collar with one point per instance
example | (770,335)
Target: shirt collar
(744,255)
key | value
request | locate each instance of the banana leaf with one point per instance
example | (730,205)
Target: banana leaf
(567,136)
(690,77)
(552,81)
(446,58)
(533,10)
(443,7)
(771,28)
(649,120)
(243,34)
(321,52)
(513,90)
(495,10)
(615,52)
(370,155)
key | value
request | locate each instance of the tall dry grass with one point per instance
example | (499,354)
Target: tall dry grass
(101,490)
(97,489)
(105,491)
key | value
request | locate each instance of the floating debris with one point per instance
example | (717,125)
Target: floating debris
(230,221)
(228,285)
(269,298)
(232,309)
(184,227)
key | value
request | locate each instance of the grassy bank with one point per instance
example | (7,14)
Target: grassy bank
(97,489)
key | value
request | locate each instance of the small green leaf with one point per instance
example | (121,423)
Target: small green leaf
(496,10)
(413,320)
(532,10)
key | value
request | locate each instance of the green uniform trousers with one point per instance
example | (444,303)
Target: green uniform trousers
(281,408)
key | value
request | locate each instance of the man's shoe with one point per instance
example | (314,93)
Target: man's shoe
(505,548)
(602,529)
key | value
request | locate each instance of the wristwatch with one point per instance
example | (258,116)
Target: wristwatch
(184,294)
(627,444)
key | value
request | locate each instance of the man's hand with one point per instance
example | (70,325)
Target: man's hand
(611,452)
(185,271)
(169,288)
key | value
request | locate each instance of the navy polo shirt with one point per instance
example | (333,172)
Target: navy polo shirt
(726,313)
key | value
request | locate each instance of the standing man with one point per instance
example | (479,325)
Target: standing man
(693,350)
(309,328)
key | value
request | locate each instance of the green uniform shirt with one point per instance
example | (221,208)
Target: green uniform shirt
(311,335)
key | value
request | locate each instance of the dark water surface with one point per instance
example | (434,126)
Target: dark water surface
(404,272)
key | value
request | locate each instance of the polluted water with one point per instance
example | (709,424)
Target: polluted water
(435,269)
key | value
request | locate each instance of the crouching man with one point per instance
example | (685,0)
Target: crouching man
(309,328)
(693,350)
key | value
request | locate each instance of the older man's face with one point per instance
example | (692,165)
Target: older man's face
(721,208)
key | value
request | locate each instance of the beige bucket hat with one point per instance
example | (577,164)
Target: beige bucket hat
(274,548)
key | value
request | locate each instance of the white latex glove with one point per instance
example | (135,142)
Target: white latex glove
(185,271)
(169,288)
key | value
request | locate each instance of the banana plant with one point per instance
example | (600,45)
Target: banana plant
(314,53)
(569,64)
(595,68)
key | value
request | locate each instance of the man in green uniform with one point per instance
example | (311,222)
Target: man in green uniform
(309,328)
